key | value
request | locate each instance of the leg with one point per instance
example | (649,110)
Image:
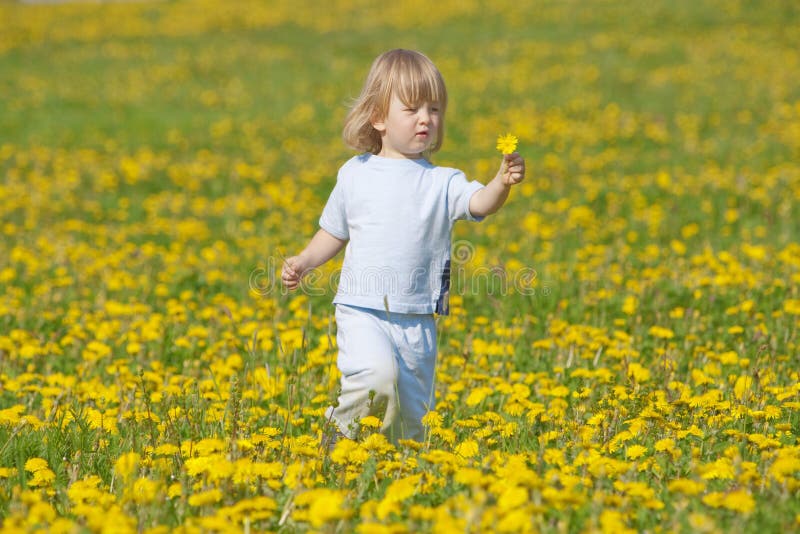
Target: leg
(415,336)
(369,371)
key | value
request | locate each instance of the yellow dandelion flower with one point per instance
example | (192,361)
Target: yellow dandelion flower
(554,456)
(36,464)
(377,443)
(512,497)
(467,449)
(702,523)
(666,444)
(792,306)
(433,419)
(686,486)
(661,332)
(175,490)
(638,372)
(477,395)
(742,388)
(613,521)
(468,476)
(207,497)
(403,489)
(324,505)
(127,464)
(739,501)
(507,143)
(143,491)
(11,416)
(635,452)
(721,469)
(43,476)
(629,305)
(370,422)
(167,449)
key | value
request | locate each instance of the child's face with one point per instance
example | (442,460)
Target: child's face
(407,131)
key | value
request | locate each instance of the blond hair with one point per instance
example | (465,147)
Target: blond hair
(406,73)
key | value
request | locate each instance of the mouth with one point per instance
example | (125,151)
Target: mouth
(422,134)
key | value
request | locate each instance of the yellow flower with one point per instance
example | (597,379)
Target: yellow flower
(35,464)
(324,505)
(554,456)
(11,416)
(613,521)
(739,501)
(661,332)
(507,143)
(205,498)
(127,464)
(402,489)
(638,372)
(370,422)
(635,452)
(175,490)
(143,491)
(432,420)
(512,497)
(43,476)
(742,388)
(686,486)
(467,449)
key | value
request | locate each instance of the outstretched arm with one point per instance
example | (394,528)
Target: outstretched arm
(322,247)
(492,197)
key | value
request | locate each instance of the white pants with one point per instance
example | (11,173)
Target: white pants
(387,361)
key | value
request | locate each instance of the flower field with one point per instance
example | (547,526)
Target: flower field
(622,350)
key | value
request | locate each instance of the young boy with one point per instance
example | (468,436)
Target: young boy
(394,210)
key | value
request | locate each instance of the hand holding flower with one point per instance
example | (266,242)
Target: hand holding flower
(489,199)
(512,170)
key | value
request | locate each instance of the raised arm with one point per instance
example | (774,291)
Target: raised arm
(492,197)
(322,247)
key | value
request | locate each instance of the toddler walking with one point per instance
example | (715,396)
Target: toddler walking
(394,211)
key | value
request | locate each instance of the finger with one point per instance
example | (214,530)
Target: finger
(516,165)
(516,177)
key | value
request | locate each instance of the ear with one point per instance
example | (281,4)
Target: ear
(379,125)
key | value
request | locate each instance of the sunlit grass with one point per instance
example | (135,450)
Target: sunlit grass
(622,348)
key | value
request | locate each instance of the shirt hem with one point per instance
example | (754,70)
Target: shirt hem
(378,304)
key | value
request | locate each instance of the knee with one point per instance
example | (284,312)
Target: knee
(382,382)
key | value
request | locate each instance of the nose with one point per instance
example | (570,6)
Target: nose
(424,115)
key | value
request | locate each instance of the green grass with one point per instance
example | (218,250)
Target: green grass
(156,156)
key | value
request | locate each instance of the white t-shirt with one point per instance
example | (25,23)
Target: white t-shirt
(398,215)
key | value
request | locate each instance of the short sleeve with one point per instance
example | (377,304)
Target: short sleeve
(334,215)
(459,191)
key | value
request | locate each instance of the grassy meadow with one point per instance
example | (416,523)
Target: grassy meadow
(622,351)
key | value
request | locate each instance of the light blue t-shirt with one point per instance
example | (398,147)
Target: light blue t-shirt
(398,215)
